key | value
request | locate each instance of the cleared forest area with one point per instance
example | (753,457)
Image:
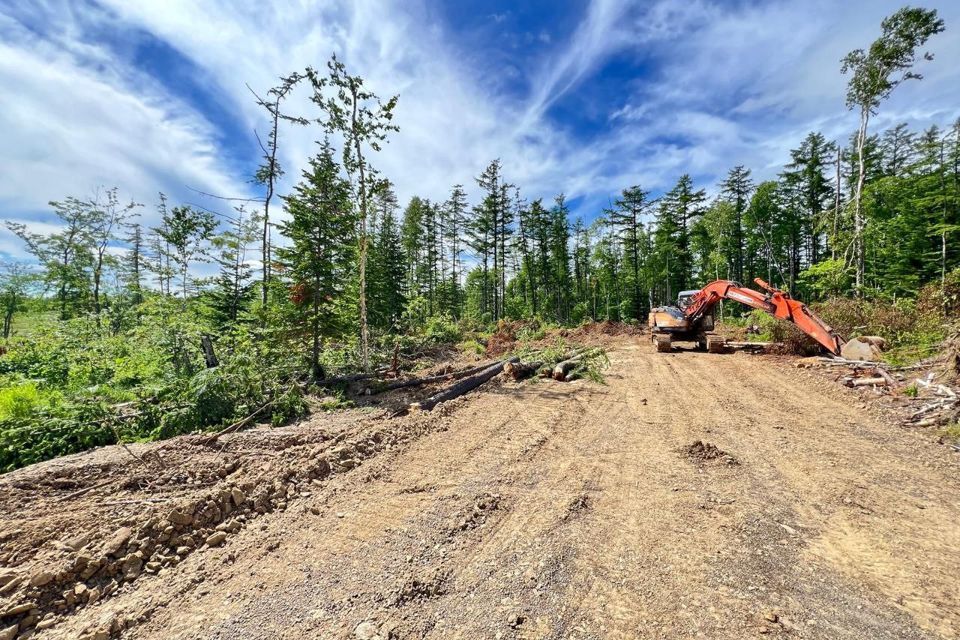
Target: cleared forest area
(489,411)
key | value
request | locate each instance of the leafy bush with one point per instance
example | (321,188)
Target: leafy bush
(54,430)
(914,329)
(19,401)
(441,329)
(826,278)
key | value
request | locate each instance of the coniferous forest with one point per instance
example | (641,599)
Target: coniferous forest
(121,330)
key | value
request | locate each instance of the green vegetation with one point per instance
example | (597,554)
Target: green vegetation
(111,333)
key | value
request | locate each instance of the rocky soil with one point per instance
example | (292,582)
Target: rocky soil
(693,495)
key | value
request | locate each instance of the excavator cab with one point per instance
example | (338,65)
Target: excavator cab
(684,298)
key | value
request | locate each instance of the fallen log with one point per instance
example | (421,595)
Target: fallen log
(865,382)
(464,386)
(520,370)
(749,345)
(356,377)
(440,377)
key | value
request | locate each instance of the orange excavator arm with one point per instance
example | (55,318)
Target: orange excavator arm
(775,302)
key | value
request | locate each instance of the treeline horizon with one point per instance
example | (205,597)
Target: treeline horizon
(874,216)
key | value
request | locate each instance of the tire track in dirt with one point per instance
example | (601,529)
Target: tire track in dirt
(570,511)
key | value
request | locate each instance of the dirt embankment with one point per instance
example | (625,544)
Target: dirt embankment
(693,494)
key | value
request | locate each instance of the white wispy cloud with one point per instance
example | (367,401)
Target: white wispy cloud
(723,84)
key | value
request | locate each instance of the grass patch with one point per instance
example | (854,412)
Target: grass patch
(951,433)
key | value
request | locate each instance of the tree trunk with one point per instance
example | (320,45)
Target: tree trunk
(859,256)
(943,233)
(97,274)
(836,212)
(462,387)
(520,370)
(315,369)
(364,328)
(209,355)
(442,377)
(271,178)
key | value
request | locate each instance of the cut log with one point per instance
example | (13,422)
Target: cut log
(464,386)
(865,382)
(520,370)
(749,345)
(442,377)
(561,369)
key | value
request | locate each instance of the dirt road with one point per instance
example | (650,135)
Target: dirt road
(538,510)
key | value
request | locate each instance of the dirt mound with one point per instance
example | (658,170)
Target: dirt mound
(701,452)
(607,328)
(503,339)
(509,333)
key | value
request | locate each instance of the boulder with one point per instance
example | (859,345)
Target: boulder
(860,349)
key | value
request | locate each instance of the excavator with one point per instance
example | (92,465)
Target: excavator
(692,319)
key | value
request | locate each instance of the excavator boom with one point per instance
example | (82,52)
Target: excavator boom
(775,302)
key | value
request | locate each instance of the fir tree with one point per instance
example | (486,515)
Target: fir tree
(319,260)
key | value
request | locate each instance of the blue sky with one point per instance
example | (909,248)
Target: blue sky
(583,97)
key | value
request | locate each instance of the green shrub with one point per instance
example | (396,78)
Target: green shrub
(19,401)
(472,347)
(441,329)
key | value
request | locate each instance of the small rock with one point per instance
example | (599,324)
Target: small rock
(771,616)
(179,517)
(132,566)
(6,575)
(41,578)
(153,567)
(183,550)
(80,590)
(45,624)
(93,595)
(516,620)
(117,541)
(365,631)
(9,633)
(216,539)
(29,621)
(90,569)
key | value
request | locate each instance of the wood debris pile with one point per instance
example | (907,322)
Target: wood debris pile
(934,402)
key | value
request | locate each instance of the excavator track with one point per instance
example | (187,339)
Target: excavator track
(663,342)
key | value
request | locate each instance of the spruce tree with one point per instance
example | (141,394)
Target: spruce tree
(626,220)
(319,260)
